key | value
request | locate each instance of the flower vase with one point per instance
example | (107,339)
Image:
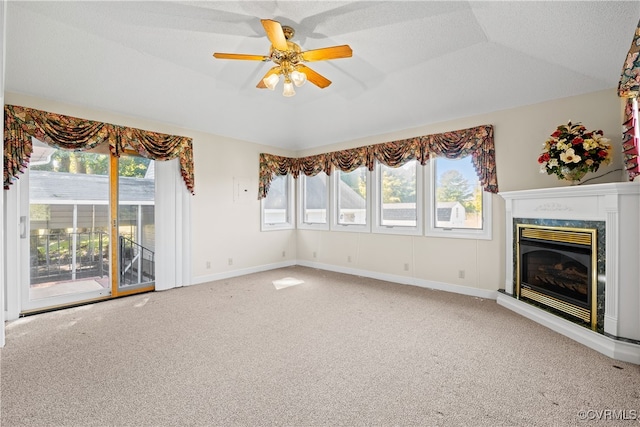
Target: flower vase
(574,175)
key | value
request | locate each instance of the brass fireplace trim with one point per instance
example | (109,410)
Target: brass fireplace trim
(580,236)
(579,312)
(558,236)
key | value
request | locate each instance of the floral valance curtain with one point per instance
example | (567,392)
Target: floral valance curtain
(629,88)
(71,133)
(477,142)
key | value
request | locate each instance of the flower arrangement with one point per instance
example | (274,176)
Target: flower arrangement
(572,151)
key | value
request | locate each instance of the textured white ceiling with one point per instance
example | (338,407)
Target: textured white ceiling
(414,62)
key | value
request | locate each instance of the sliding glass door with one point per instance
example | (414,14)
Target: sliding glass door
(136,224)
(66,227)
(88,230)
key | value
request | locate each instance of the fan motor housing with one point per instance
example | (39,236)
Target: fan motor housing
(288,32)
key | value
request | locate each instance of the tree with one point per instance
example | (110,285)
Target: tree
(477,199)
(399,185)
(93,164)
(133,166)
(453,187)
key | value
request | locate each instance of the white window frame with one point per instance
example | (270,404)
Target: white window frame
(376,203)
(300,194)
(457,233)
(290,222)
(357,228)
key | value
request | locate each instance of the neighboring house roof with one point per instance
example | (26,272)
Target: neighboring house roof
(53,187)
(443,210)
(444,214)
(317,196)
(350,198)
(447,204)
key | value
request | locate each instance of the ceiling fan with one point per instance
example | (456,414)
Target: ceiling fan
(289,59)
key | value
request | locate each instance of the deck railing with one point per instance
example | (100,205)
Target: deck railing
(69,256)
(137,263)
(64,256)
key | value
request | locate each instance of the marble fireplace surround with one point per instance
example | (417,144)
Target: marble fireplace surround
(618,206)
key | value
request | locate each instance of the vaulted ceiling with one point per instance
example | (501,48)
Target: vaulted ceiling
(414,62)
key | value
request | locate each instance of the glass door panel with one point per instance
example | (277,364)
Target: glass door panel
(67,227)
(136,224)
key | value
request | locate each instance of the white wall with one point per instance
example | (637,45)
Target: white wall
(519,134)
(227,226)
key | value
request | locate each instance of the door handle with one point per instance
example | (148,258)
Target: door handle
(23,227)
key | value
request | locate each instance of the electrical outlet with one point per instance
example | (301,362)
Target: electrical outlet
(314,255)
(230,261)
(406,267)
(461,274)
(284,254)
(349,258)
(208,264)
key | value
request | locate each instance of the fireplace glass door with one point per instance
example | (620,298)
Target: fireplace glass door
(557,268)
(559,271)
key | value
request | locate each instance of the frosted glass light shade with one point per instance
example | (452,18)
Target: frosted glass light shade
(298,78)
(271,81)
(288,89)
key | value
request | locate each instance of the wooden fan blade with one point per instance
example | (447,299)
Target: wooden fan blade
(275,34)
(333,52)
(240,56)
(314,77)
(274,70)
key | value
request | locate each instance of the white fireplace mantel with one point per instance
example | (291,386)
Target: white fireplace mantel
(618,205)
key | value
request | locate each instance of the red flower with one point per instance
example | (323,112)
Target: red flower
(557,133)
(577,141)
(602,154)
(544,157)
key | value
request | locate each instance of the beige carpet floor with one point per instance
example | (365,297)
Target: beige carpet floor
(336,350)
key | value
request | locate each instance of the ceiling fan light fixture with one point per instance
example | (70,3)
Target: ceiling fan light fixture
(298,78)
(288,58)
(288,88)
(271,81)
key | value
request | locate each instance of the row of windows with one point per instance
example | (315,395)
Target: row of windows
(443,198)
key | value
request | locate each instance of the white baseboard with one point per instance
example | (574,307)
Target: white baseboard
(404,280)
(616,349)
(241,272)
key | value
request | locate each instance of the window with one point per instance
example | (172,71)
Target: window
(458,205)
(277,207)
(351,203)
(442,199)
(314,201)
(398,199)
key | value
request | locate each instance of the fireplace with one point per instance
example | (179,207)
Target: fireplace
(613,209)
(556,267)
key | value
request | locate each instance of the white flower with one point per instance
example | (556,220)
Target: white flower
(552,163)
(604,142)
(570,156)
